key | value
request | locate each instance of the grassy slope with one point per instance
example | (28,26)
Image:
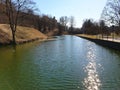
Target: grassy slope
(23,34)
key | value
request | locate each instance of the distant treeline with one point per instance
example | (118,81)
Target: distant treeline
(43,23)
(109,22)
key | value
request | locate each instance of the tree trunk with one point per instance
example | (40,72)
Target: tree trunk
(13,38)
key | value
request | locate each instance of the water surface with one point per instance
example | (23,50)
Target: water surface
(67,63)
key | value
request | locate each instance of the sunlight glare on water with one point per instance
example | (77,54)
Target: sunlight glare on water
(92,81)
(66,63)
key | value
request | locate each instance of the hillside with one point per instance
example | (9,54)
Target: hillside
(23,34)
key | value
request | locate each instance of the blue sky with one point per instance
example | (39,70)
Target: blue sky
(80,9)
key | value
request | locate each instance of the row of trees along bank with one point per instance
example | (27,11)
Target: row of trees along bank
(22,12)
(109,24)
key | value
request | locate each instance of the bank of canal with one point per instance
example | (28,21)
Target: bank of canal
(106,43)
(67,63)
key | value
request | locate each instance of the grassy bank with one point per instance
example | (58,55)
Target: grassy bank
(88,36)
(116,38)
(107,43)
(23,34)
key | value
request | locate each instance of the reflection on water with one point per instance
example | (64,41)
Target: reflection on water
(92,81)
(67,63)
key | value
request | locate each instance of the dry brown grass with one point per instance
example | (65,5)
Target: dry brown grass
(23,34)
(52,33)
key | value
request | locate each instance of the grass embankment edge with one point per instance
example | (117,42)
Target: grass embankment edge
(105,43)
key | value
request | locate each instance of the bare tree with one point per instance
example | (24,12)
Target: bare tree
(90,27)
(13,9)
(72,23)
(102,27)
(64,21)
(111,13)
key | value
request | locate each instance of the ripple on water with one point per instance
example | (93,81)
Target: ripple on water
(68,63)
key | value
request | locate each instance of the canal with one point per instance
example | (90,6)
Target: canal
(66,63)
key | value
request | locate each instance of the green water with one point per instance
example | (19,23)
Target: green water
(67,63)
